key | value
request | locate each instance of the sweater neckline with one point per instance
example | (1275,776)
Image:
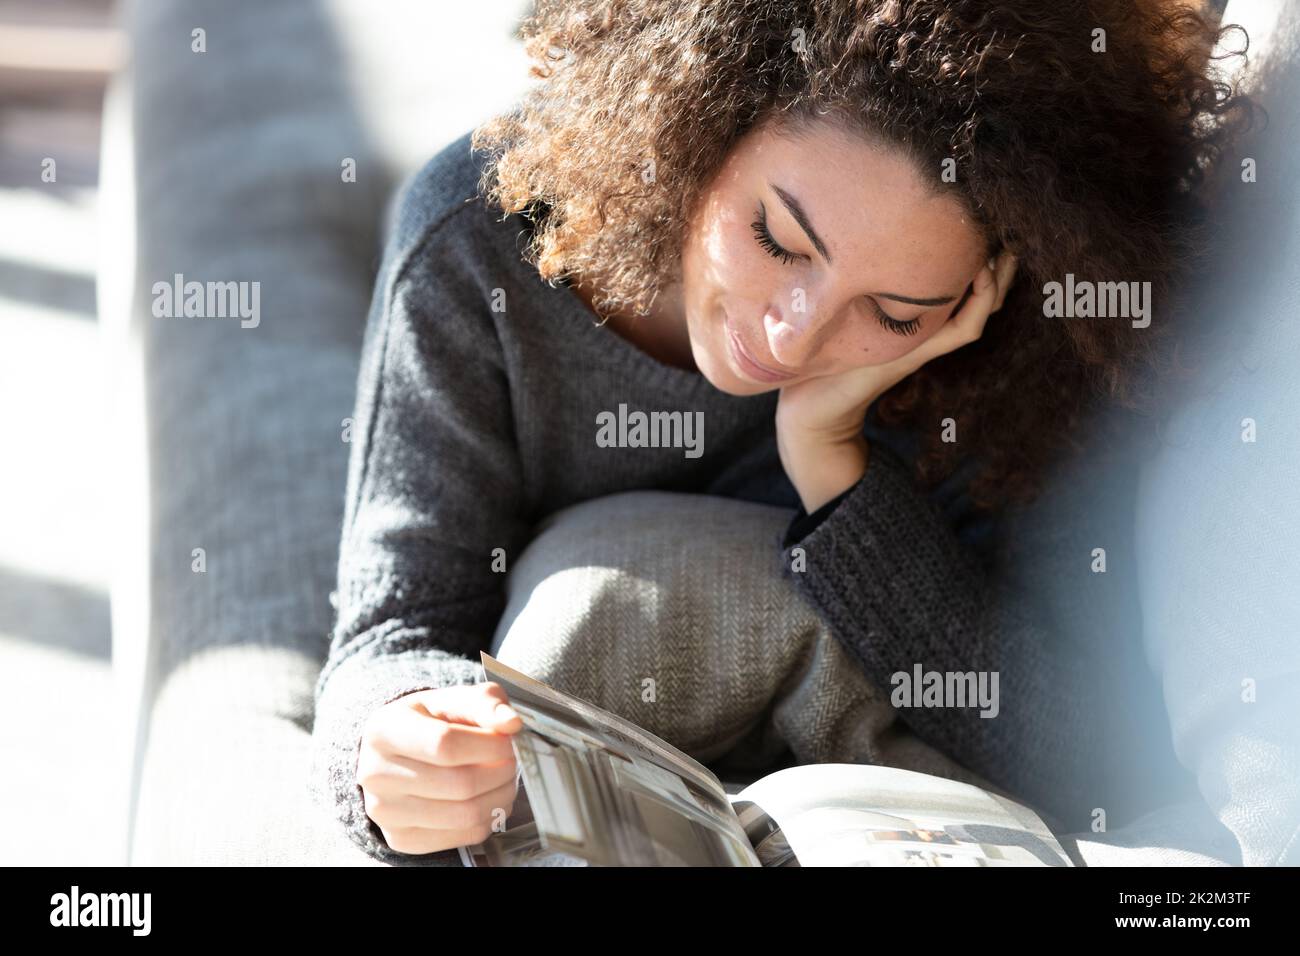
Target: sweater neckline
(628,353)
(560,299)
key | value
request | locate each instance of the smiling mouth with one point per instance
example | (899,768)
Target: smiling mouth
(747,364)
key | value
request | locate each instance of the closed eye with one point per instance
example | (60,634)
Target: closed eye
(773,248)
(910,327)
(764,237)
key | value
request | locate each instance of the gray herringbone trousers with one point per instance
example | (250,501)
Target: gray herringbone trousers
(670,610)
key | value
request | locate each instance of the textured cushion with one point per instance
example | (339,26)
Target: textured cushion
(223,777)
(687,589)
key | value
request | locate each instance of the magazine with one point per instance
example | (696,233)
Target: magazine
(597,790)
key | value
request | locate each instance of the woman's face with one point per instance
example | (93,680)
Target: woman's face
(812,256)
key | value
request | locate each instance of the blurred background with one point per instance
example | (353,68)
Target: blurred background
(56,57)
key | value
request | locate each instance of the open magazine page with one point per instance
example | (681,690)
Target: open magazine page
(600,790)
(863,815)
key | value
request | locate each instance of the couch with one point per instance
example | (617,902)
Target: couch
(228,483)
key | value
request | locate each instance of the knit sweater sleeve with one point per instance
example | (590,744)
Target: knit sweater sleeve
(884,567)
(433,488)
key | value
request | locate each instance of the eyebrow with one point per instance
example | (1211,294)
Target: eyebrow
(796,210)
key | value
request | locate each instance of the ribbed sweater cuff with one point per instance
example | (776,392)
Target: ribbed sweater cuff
(880,558)
(351,692)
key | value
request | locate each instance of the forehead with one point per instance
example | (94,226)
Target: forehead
(867,200)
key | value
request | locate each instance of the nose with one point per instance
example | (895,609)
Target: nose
(792,335)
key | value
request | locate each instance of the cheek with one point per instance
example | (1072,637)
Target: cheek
(742,269)
(721,264)
(718,277)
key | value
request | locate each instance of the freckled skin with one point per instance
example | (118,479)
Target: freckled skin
(886,232)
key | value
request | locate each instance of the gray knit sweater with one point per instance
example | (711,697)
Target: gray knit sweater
(478,395)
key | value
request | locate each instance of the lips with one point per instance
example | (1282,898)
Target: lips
(747,363)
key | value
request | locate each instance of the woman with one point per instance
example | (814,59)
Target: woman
(804,224)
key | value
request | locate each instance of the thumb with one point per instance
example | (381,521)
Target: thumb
(493,708)
(501,717)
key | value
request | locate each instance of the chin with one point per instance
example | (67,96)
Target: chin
(717,375)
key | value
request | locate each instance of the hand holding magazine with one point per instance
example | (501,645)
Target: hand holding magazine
(600,791)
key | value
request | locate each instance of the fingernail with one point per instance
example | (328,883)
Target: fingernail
(504,713)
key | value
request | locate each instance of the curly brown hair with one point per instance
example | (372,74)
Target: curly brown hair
(1082,162)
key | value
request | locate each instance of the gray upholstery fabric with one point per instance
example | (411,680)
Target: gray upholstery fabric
(227,757)
(686,590)
(238,162)
(245,424)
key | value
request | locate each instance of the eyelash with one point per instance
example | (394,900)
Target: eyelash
(764,237)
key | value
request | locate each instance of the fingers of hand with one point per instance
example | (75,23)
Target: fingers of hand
(387,773)
(991,285)
(422,808)
(964,327)
(412,732)
(484,704)
(414,841)
(484,816)
(407,811)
